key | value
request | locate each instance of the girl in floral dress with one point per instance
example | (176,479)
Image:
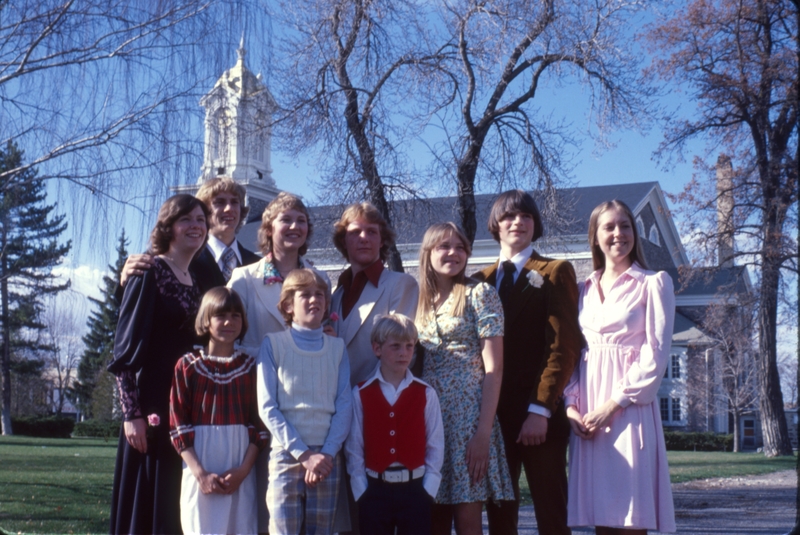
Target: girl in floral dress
(460,323)
(214,422)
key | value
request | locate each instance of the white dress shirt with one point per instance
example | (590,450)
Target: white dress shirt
(434,435)
(217,248)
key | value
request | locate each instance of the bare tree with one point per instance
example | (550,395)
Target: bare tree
(62,338)
(102,94)
(739,58)
(507,50)
(353,68)
(730,326)
(787,368)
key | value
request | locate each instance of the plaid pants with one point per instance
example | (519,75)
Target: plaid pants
(292,505)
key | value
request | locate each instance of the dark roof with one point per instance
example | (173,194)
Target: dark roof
(412,217)
(711,281)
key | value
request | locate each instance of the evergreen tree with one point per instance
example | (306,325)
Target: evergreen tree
(29,251)
(99,340)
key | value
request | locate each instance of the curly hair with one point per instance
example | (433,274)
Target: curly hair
(284,201)
(173,208)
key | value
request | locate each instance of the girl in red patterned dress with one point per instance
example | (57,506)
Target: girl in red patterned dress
(214,422)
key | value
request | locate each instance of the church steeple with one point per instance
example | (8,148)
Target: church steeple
(238,135)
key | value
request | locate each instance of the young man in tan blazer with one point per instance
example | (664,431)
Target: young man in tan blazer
(367,289)
(541,347)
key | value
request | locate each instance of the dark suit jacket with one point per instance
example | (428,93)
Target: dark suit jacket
(542,341)
(207,272)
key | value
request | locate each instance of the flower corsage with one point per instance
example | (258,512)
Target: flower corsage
(534,279)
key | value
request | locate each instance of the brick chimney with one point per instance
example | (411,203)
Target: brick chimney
(725,211)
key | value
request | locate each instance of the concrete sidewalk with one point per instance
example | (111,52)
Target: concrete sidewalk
(752,505)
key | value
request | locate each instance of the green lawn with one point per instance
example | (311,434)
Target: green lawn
(55,485)
(64,485)
(690,465)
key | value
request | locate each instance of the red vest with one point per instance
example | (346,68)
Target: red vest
(394,433)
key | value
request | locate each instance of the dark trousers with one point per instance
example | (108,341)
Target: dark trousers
(384,506)
(546,472)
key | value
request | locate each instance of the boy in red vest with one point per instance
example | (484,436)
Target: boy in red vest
(396,442)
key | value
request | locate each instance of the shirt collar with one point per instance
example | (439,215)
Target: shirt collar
(378,376)
(372,272)
(635,272)
(217,248)
(519,259)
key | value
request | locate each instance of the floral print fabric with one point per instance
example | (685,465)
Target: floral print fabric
(453,366)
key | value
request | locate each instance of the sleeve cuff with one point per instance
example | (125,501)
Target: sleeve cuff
(359,486)
(538,409)
(621,399)
(571,400)
(430,483)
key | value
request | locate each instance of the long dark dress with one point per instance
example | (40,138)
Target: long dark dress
(156,327)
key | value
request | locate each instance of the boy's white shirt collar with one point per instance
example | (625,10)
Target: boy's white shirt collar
(519,260)
(218,248)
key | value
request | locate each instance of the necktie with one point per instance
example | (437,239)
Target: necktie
(229,263)
(508,281)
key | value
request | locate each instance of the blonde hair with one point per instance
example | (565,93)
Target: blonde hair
(218,301)
(395,326)
(284,201)
(370,214)
(598,258)
(224,184)
(428,289)
(297,280)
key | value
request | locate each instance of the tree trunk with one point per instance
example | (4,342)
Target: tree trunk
(376,193)
(465,175)
(736,430)
(773,421)
(6,358)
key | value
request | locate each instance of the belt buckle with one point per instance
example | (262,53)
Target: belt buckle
(395,476)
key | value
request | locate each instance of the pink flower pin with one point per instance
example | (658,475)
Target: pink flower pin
(154,420)
(334,316)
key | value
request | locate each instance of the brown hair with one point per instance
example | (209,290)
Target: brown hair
(173,209)
(427,277)
(297,280)
(223,184)
(284,201)
(395,326)
(598,258)
(218,301)
(369,213)
(512,202)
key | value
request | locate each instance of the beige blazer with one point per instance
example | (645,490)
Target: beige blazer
(396,292)
(261,303)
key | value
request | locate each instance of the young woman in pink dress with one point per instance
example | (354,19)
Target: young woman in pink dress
(618,473)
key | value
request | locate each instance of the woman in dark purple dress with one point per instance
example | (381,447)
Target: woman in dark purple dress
(156,327)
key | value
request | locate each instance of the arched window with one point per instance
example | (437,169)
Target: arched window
(654,237)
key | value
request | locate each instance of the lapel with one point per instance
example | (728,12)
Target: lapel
(207,271)
(523,291)
(248,256)
(268,294)
(363,308)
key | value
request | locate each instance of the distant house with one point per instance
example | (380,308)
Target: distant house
(693,352)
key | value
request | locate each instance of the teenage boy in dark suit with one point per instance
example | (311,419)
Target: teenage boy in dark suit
(541,347)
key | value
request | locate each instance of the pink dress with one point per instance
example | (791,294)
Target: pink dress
(620,477)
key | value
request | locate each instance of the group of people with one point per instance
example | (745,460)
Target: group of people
(257,401)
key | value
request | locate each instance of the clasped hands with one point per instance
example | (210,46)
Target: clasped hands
(318,466)
(586,426)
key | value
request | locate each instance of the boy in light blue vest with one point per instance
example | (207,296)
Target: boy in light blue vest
(304,399)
